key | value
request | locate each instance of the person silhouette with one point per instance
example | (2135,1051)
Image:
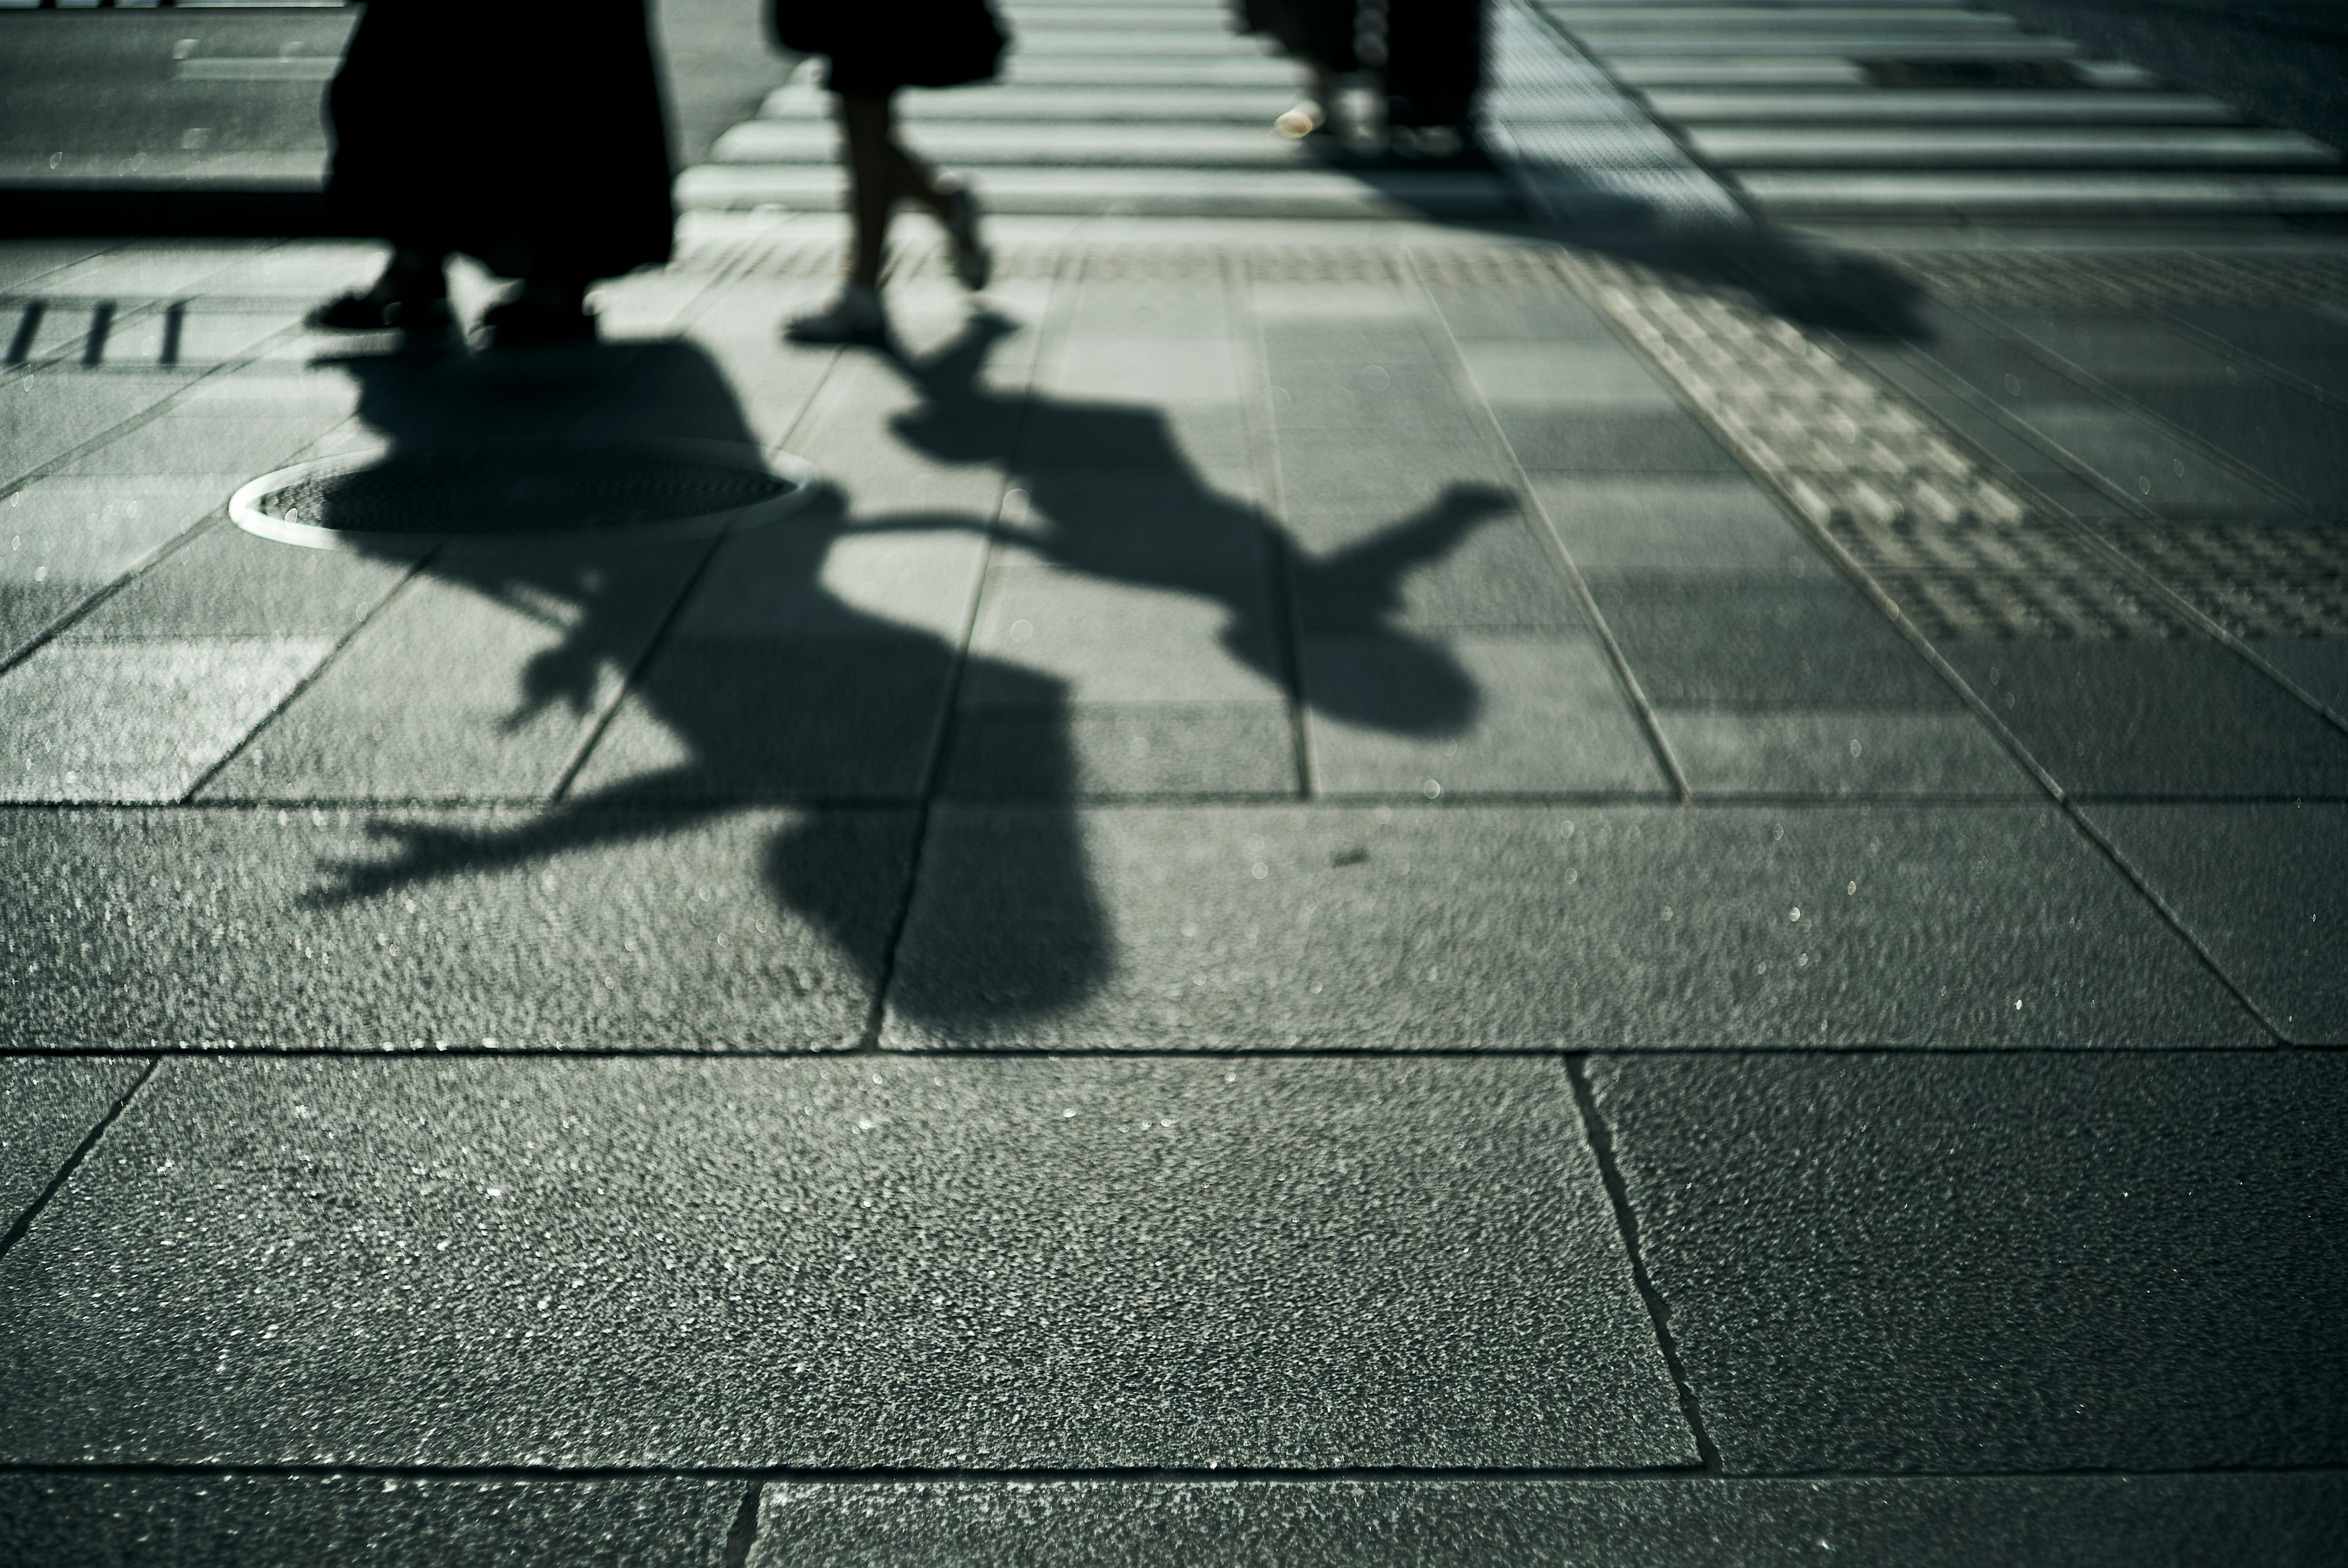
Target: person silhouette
(532,140)
(873,50)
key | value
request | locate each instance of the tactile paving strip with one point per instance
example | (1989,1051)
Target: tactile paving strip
(2180,281)
(1938,530)
(2256,579)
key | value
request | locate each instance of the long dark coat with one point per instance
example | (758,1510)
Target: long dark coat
(526,135)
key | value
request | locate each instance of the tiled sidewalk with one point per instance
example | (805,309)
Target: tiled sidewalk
(1308,870)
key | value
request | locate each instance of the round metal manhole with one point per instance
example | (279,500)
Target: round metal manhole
(514,494)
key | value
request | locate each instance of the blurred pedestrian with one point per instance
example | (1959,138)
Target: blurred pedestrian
(1435,68)
(529,137)
(873,48)
(1319,35)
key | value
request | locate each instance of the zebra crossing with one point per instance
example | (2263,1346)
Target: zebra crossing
(1889,109)
(1795,110)
(1146,107)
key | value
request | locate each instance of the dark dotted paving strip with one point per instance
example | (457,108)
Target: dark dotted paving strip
(47,1109)
(406,1521)
(2151,1521)
(1998,1264)
(277,929)
(841,1263)
(1490,927)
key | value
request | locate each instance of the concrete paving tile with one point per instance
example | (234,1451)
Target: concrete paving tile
(1140,527)
(203,335)
(2309,344)
(610,930)
(1859,751)
(1017,1263)
(1344,472)
(23,261)
(2181,717)
(225,582)
(1144,370)
(875,469)
(1600,442)
(1573,374)
(45,415)
(1419,402)
(1150,749)
(1514,315)
(29,608)
(1155,309)
(418,1522)
(2161,473)
(2260,888)
(885,575)
(548,638)
(1390,340)
(139,721)
(192,443)
(47,1106)
(1110,641)
(1666,523)
(1762,640)
(2126,1263)
(714,720)
(1466,714)
(2092,1522)
(2292,439)
(1470,559)
(1533,927)
(2319,667)
(1207,440)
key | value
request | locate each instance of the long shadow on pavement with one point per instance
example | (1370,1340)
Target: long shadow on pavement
(817,703)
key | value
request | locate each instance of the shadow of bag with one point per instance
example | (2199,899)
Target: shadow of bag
(910,43)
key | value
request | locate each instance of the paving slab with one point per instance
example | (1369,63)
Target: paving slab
(1761,640)
(1107,749)
(2259,886)
(1634,441)
(47,1106)
(1667,523)
(1857,751)
(1468,559)
(1466,714)
(1531,927)
(805,1263)
(2023,1263)
(225,582)
(2182,717)
(2094,1522)
(294,1521)
(547,637)
(531,929)
(140,721)
(765,719)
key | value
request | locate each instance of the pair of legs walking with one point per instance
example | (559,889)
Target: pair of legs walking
(881,174)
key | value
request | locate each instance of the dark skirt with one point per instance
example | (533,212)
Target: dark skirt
(529,136)
(876,47)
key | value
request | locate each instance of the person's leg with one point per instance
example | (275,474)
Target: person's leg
(874,180)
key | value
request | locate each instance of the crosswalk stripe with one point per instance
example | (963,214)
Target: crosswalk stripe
(1944,106)
(1853,146)
(2058,196)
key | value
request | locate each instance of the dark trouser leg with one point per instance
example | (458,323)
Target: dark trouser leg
(1435,60)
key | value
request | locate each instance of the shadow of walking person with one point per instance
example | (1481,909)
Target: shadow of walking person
(1112,496)
(800,672)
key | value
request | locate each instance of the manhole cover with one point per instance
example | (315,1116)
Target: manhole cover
(515,494)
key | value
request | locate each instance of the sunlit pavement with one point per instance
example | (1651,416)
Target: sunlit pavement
(1370,889)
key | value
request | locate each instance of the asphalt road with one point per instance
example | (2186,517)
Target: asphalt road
(105,95)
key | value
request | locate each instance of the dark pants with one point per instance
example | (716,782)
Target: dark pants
(1435,60)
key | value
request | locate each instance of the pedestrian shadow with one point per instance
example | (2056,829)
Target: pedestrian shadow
(766,689)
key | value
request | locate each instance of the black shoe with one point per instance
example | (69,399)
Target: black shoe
(524,323)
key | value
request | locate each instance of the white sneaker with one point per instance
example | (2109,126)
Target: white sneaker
(857,316)
(974,264)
